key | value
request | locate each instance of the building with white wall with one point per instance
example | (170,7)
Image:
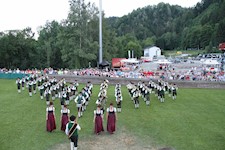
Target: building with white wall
(150,52)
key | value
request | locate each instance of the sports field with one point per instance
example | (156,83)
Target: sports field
(195,121)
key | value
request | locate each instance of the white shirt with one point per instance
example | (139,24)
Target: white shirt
(98,112)
(50,109)
(67,129)
(114,109)
(65,111)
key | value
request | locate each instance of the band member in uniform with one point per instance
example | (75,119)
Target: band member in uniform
(47,96)
(63,98)
(72,128)
(147,96)
(79,100)
(174,91)
(169,90)
(136,100)
(50,118)
(98,120)
(161,94)
(34,86)
(41,88)
(30,83)
(18,83)
(85,95)
(119,102)
(23,83)
(65,112)
(111,117)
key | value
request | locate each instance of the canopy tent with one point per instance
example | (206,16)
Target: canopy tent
(104,64)
(163,61)
(211,62)
(131,60)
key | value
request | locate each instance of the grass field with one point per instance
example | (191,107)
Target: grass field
(195,121)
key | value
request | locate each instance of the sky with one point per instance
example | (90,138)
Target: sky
(19,14)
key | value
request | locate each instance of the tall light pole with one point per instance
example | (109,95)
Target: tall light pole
(100,31)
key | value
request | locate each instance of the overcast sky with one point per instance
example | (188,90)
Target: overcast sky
(19,14)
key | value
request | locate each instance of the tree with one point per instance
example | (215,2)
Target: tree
(76,38)
(48,45)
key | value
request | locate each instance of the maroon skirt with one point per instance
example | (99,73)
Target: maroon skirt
(111,123)
(98,124)
(64,121)
(50,123)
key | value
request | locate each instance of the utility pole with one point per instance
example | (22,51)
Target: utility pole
(100,31)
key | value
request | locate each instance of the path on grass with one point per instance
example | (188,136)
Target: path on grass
(120,140)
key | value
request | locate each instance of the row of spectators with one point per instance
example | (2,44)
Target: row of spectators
(194,74)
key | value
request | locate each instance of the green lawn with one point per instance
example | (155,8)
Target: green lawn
(195,121)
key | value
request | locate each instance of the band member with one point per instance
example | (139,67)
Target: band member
(90,86)
(30,83)
(23,83)
(147,96)
(27,79)
(65,112)
(73,91)
(53,89)
(111,119)
(34,86)
(41,88)
(79,100)
(72,128)
(169,90)
(136,100)
(174,91)
(18,83)
(104,97)
(161,94)
(67,101)
(47,95)
(63,98)
(50,117)
(119,99)
(85,95)
(39,82)
(98,120)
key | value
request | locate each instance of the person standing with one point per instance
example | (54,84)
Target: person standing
(50,117)
(30,84)
(136,98)
(111,117)
(18,83)
(47,96)
(34,86)
(174,91)
(98,120)
(147,96)
(119,99)
(79,100)
(41,88)
(72,128)
(23,83)
(64,117)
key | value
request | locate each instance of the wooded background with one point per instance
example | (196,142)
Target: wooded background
(73,42)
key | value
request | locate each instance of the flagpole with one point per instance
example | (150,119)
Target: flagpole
(100,31)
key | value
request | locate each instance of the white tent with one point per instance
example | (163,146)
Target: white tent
(163,61)
(150,52)
(211,62)
(131,60)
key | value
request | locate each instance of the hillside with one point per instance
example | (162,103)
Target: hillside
(175,27)
(73,42)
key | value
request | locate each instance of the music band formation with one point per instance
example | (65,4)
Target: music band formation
(50,89)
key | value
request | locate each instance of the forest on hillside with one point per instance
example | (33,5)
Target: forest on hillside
(73,42)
